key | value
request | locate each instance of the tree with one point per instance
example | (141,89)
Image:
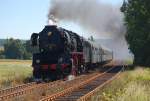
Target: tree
(29,50)
(14,49)
(137,21)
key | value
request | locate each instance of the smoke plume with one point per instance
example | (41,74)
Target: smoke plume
(92,15)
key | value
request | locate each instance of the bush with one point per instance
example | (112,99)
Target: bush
(16,49)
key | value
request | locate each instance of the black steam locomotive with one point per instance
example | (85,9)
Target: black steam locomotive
(59,53)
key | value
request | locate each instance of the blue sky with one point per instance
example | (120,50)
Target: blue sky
(20,18)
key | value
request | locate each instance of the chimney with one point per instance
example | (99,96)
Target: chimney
(52,21)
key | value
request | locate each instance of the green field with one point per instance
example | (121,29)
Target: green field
(132,85)
(14,72)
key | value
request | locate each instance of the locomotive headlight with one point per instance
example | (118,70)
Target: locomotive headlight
(49,33)
(37,61)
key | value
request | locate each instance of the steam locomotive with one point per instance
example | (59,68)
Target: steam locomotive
(60,52)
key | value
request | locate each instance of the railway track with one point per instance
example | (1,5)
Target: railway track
(83,90)
(67,86)
(13,89)
(24,89)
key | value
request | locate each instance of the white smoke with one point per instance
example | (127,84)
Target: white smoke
(94,16)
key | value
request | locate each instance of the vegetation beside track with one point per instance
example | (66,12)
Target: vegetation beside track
(14,72)
(132,85)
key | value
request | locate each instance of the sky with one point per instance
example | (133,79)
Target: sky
(20,18)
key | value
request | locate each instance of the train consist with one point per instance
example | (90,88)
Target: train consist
(59,53)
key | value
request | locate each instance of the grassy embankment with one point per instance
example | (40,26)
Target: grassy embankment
(14,72)
(132,85)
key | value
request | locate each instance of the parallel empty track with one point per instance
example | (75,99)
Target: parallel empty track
(24,89)
(13,89)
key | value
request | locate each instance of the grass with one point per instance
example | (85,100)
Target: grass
(129,86)
(128,61)
(14,72)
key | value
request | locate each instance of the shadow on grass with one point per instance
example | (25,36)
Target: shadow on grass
(28,80)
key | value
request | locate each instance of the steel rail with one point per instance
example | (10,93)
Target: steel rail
(73,88)
(27,90)
(12,89)
(24,89)
(91,93)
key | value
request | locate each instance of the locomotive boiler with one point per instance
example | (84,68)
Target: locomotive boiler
(60,52)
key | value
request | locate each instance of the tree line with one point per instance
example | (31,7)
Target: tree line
(137,22)
(16,49)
